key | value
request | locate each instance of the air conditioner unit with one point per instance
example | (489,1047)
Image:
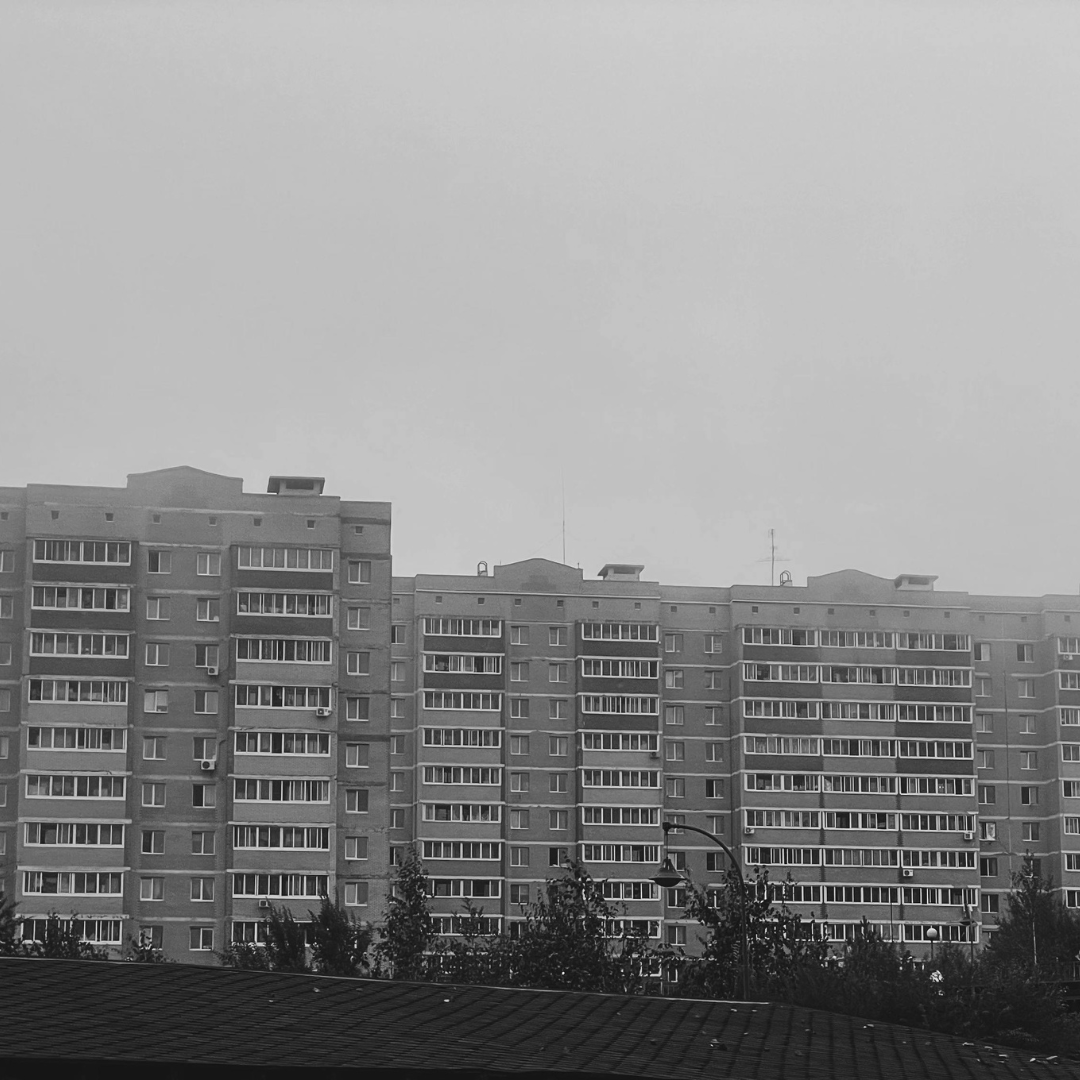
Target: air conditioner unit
(969,836)
(212,671)
(749,830)
(323,713)
(907,873)
(208,764)
(264,904)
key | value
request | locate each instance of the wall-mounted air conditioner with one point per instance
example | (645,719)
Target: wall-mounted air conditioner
(208,764)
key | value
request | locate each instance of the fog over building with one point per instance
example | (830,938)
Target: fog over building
(213,700)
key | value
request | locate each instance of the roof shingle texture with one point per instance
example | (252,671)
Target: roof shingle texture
(171,1013)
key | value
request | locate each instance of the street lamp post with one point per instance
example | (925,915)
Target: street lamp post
(669,877)
(932,935)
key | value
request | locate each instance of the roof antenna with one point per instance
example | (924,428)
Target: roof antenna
(563,481)
(773,560)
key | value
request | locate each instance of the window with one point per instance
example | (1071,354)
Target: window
(1072,861)
(358,708)
(714,751)
(674,714)
(556,635)
(359,618)
(675,787)
(1070,752)
(519,856)
(984,723)
(5,747)
(989,903)
(397,671)
(356,848)
(7,608)
(1027,725)
(153,748)
(1025,654)
(557,673)
(397,819)
(985,759)
(5,654)
(519,672)
(519,744)
(558,820)
(151,936)
(358,663)
(359,572)
(397,745)
(397,709)
(201,939)
(209,656)
(519,635)
(356,801)
(558,782)
(519,819)
(202,890)
(519,708)
(519,894)
(714,789)
(1029,796)
(675,751)
(558,745)
(157,655)
(558,855)
(202,843)
(206,702)
(156,701)
(157,608)
(153,794)
(982,686)
(357,755)
(1029,759)
(559,709)
(1029,831)
(153,840)
(987,794)
(397,781)
(987,830)
(397,634)
(714,715)
(208,564)
(714,680)
(714,643)
(7,561)
(673,678)
(208,609)
(204,796)
(519,781)
(159,562)
(982,652)
(152,888)
(988,867)
(1025,688)
(673,643)
(356,893)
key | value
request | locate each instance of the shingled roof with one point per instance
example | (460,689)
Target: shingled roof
(115,1018)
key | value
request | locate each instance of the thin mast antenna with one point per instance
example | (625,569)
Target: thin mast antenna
(563,481)
(772,558)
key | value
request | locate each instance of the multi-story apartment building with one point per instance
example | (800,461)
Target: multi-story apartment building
(895,750)
(194,705)
(213,700)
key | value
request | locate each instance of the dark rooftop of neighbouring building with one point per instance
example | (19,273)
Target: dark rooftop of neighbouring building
(121,1019)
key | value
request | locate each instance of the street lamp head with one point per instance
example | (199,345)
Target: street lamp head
(668,877)
(932,934)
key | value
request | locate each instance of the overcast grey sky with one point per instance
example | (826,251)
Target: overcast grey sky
(722,266)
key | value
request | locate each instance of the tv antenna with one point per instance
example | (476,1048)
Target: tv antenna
(773,558)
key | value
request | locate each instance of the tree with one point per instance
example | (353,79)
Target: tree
(339,942)
(61,940)
(573,938)
(284,946)
(781,945)
(9,925)
(407,940)
(1037,931)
